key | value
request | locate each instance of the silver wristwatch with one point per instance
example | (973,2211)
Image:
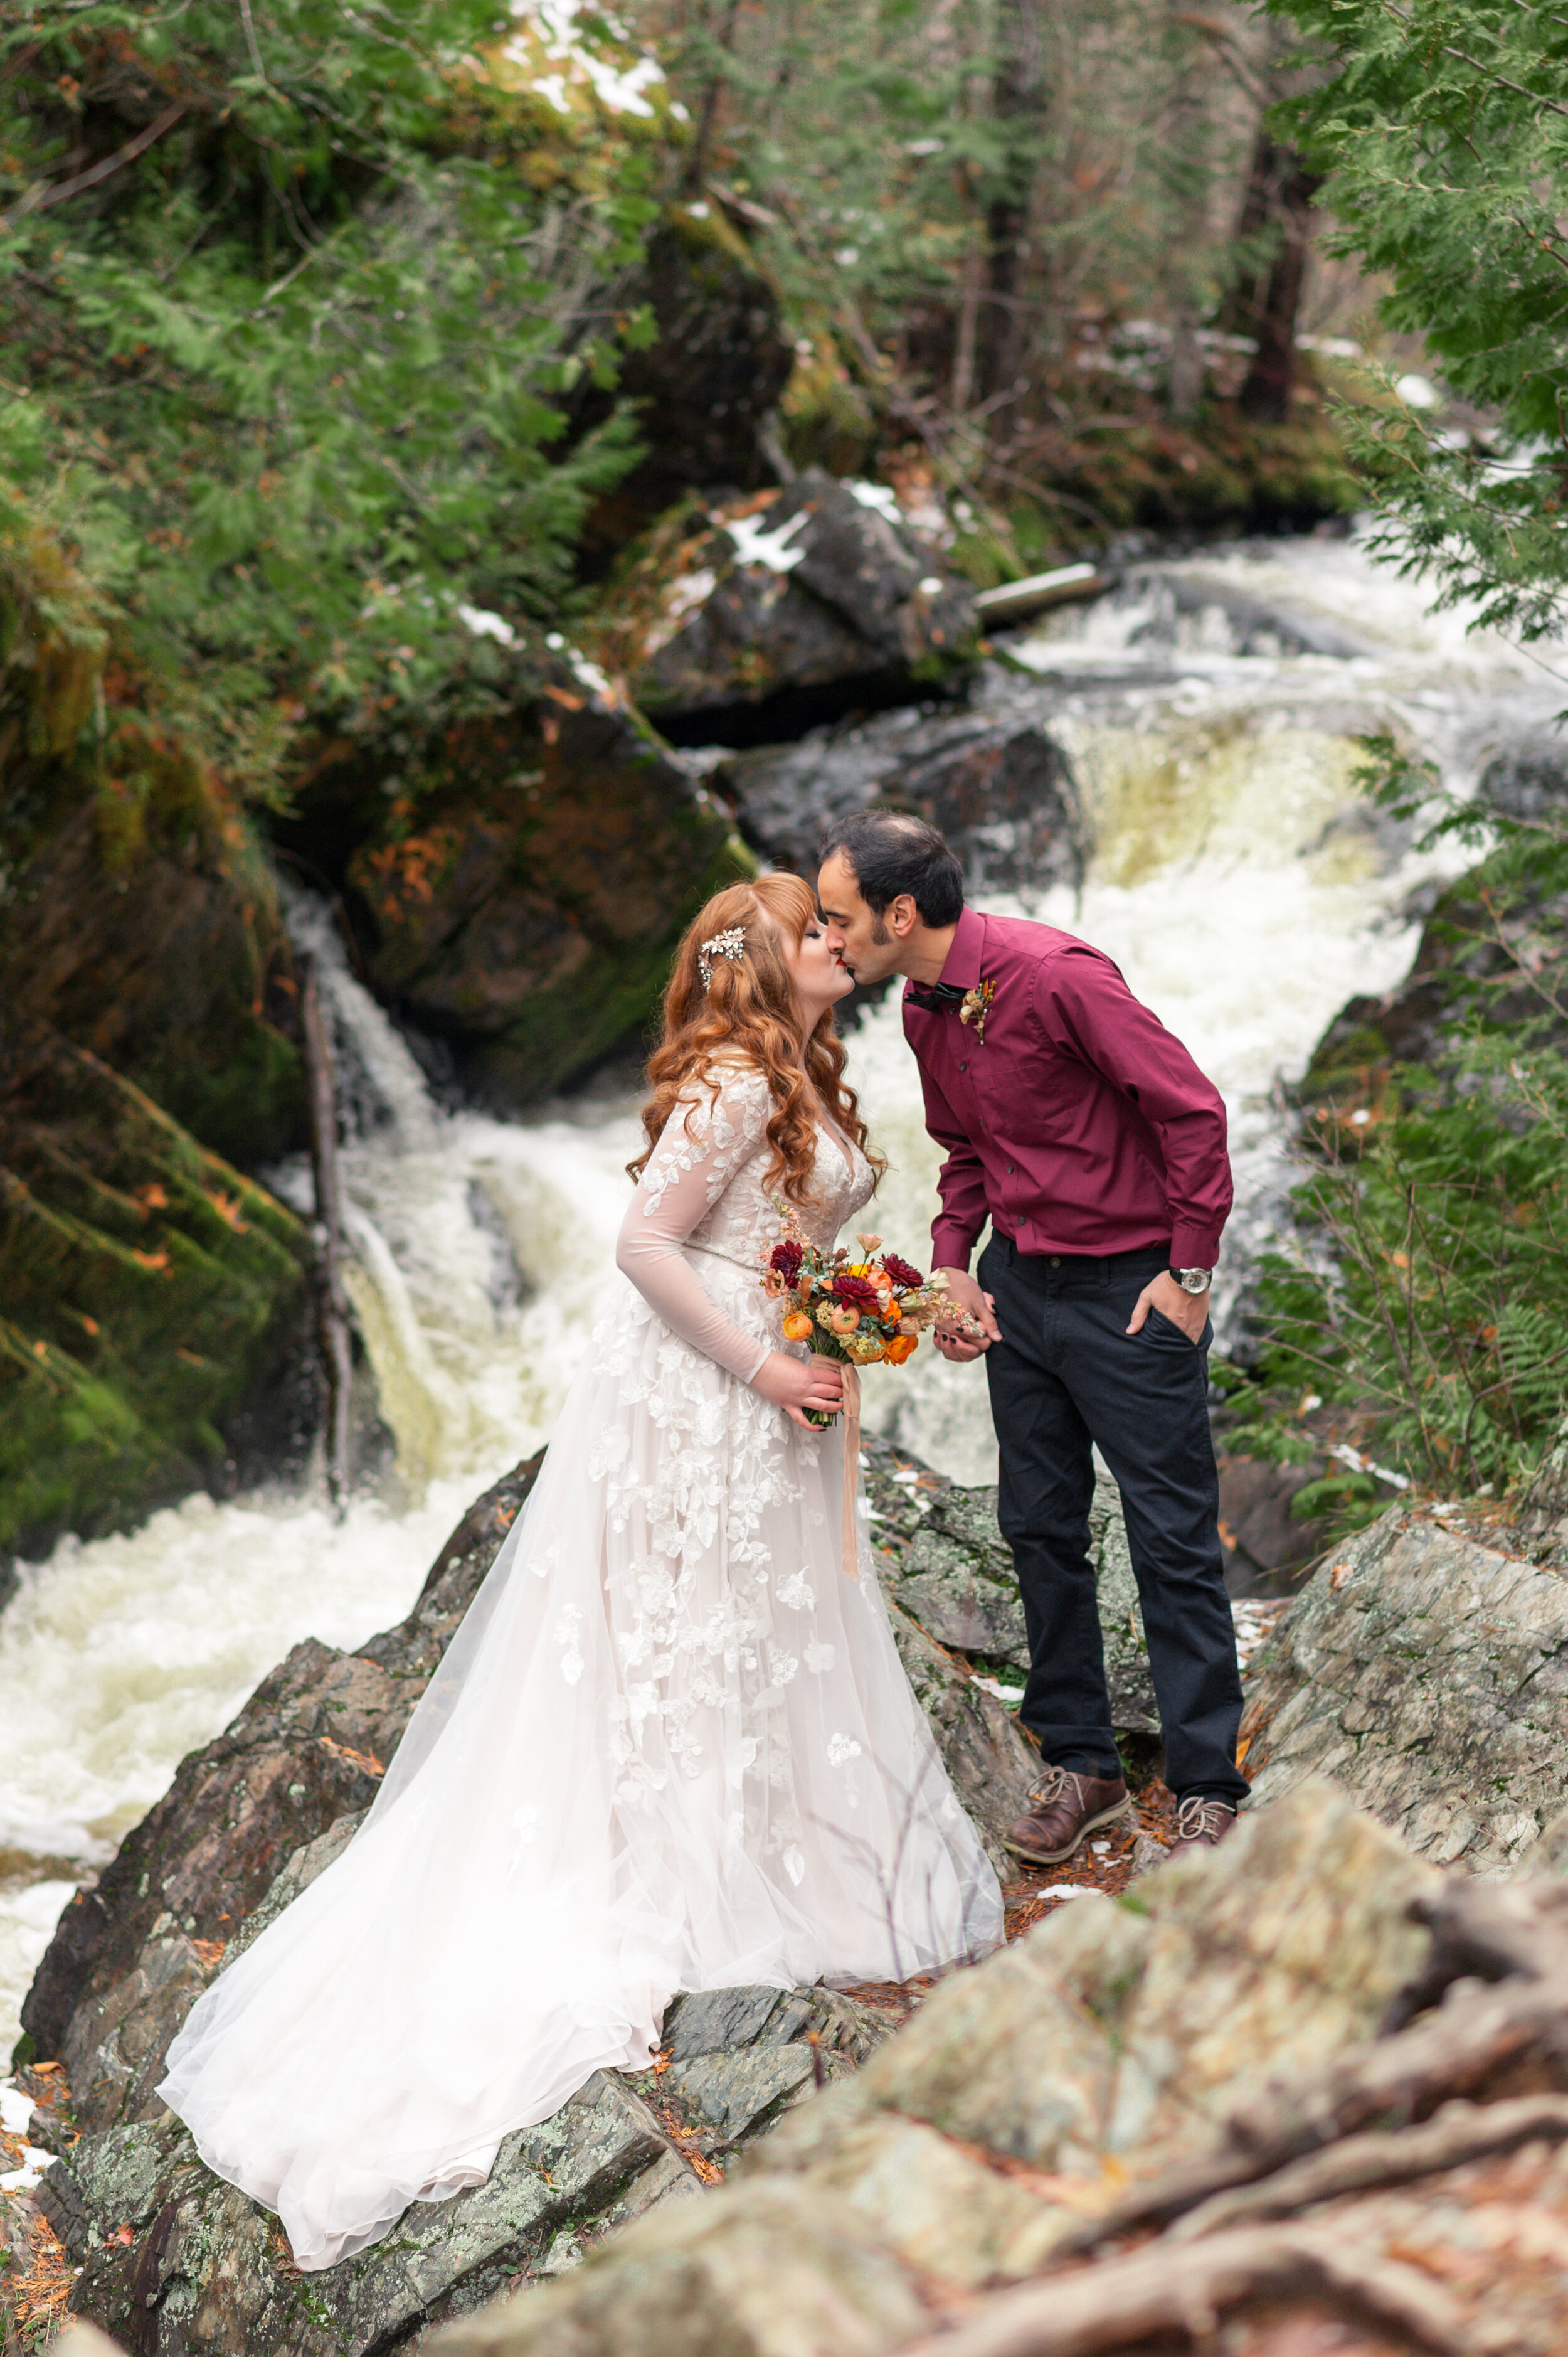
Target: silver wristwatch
(1194,1280)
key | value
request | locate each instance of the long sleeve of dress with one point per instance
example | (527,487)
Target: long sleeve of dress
(706,1140)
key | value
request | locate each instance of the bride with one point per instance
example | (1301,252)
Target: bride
(671,1746)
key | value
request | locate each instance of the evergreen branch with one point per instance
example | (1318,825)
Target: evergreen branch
(41,197)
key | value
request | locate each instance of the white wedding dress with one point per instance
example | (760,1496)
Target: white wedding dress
(671,1747)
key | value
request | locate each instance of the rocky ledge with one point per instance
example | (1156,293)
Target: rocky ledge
(815,2171)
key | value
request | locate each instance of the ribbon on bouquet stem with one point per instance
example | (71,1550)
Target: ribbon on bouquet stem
(849,1544)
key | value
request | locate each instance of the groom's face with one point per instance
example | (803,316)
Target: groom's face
(858,938)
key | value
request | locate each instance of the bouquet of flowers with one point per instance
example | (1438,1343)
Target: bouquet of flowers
(866,1312)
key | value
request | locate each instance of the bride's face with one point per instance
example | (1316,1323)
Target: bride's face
(819,978)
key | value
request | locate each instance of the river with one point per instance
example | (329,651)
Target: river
(1208,712)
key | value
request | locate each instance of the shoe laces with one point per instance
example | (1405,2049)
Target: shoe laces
(1201,1820)
(1054,1785)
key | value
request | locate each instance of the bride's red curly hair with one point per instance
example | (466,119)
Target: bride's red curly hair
(750,1009)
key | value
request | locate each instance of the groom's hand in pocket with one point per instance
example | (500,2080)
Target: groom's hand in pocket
(965,1294)
(1189,1311)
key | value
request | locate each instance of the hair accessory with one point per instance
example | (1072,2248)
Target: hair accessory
(731,945)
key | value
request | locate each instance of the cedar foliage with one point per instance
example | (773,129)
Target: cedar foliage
(293,297)
(1441,1303)
(1443,126)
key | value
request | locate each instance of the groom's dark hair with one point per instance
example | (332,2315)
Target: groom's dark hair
(890,852)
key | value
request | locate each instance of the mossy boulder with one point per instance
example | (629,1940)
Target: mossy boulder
(138,914)
(519,864)
(700,386)
(1464,967)
(148,1292)
(743,622)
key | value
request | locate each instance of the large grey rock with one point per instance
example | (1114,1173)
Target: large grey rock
(995,781)
(192,2265)
(1110,2043)
(199,2270)
(809,593)
(1429,1675)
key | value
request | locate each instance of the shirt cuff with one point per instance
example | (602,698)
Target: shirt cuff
(950,1246)
(1194,1248)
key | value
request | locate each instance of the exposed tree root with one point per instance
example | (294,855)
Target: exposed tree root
(1163,2292)
(1499,1966)
(1459,2132)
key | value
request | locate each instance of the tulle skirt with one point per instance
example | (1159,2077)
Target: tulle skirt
(671,1747)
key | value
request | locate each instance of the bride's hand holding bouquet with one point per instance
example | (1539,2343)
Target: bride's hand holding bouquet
(858,1313)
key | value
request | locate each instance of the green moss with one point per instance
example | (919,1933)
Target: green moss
(149,1290)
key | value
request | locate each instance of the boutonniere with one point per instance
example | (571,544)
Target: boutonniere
(976,1006)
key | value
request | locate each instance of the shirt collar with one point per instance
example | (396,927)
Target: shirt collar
(966,956)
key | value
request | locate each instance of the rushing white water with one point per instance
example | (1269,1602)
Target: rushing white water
(1237,881)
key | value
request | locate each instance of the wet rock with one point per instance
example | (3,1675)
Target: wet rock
(152,1299)
(308,1750)
(1424,1672)
(1529,779)
(114,2052)
(140,919)
(1023,2096)
(996,782)
(1266,1545)
(750,623)
(519,866)
(1459,962)
(312,1857)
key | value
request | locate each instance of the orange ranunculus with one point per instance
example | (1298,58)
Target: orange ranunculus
(901,1346)
(890,1313)
(798,1327)
(842,1321)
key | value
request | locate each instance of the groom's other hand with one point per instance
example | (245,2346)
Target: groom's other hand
(965,1294)
(1187,1310)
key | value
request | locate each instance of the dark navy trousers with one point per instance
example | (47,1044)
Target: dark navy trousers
(1067,1375)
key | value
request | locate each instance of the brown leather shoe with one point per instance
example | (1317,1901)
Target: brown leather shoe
(1066,1807)
(1201,1824)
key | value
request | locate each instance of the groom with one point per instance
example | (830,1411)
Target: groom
(1095,1146)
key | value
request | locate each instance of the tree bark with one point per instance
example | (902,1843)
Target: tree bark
(1280,193)
(1019,102)
(331,1300)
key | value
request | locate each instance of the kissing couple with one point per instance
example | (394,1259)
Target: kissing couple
(671,1746)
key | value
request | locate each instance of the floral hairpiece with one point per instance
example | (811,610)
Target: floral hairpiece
(731,945)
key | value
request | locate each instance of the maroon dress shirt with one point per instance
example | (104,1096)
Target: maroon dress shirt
(1078,1124)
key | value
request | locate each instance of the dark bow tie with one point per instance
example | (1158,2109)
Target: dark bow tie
(936,997)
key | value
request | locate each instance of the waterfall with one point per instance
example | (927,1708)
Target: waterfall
(1209,712)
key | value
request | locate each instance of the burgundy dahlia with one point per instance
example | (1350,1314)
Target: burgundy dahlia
(787,1258)
(855,1293)
(903,1276)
